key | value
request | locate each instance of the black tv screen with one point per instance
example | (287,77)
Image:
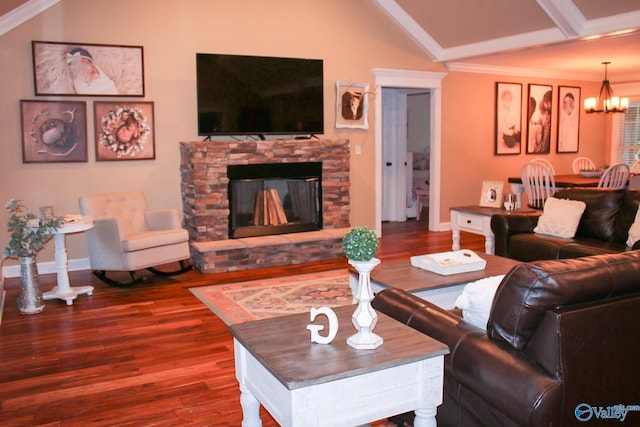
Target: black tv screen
(240,95)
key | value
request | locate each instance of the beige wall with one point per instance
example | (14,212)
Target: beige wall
(351,36)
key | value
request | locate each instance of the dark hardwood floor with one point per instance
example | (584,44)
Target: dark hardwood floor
(151,355)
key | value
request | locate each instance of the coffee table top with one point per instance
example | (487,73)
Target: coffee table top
(283,346)
(403,275)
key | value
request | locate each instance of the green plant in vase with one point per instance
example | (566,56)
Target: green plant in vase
(360,244)
(28,234)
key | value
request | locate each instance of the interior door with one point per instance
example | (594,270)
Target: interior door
(393,155)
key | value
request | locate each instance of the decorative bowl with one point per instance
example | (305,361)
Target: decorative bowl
(591,174)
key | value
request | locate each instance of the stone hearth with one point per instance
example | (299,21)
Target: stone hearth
(203,169)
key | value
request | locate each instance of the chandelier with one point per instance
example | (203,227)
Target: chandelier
(606,102)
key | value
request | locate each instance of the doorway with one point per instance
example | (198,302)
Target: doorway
(426,81)
(405,151)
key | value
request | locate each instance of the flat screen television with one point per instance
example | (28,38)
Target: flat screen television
(259,95)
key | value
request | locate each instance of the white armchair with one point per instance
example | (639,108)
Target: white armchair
(128,237)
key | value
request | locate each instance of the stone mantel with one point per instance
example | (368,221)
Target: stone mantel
(204,181)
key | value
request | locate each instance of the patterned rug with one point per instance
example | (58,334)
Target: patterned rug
(262,299)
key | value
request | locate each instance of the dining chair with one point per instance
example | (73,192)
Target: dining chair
(538,182)
(546,163)
(635,167)
(616,177)
(583,164)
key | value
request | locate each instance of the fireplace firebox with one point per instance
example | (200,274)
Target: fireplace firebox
(274,198)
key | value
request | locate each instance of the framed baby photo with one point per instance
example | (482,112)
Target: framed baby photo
(72,69)
(53,131)
(491,195)
(352,105)
(508,124)
(124,131)
(568,119)
(539,115)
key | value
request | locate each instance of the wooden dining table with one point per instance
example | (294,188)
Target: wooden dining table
(562,181)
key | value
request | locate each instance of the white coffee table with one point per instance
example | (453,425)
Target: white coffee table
(63,291)
(305,385)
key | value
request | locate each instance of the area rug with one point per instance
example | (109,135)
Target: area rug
(262,299)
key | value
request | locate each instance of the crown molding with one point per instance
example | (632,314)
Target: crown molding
(23,13)
(466,67)
(516,71)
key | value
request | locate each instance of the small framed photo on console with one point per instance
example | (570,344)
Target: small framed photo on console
(491,195)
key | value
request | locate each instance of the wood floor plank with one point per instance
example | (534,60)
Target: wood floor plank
(152,354)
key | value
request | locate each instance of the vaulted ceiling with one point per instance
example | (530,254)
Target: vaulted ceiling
(555,38)
(561,38)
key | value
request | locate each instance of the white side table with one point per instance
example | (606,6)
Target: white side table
(75,224)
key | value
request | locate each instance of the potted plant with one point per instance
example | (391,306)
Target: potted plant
(360,246)
(28,235)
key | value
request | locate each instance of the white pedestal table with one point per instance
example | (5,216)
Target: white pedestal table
(63,291)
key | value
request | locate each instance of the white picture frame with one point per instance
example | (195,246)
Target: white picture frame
(491,195)
(352,105)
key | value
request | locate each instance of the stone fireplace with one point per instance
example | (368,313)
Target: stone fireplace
(206,206)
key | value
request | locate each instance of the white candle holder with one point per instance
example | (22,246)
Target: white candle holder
(364,318)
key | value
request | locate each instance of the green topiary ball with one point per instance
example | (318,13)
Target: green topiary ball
(360,244)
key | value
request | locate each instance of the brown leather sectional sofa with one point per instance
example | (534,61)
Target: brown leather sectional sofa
(562,345)
(603,228)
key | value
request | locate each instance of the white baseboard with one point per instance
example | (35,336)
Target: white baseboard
(48,267)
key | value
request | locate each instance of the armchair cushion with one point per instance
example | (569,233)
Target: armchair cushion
(150,239)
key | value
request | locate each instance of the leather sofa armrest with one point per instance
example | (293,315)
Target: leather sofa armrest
(162,219)
(423,316)
(503,226)
(508,380)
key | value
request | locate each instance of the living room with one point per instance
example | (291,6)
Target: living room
(352,40)
(351,37)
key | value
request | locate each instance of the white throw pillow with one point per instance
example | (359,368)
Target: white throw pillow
(634,230)
(560,217)
(476,300)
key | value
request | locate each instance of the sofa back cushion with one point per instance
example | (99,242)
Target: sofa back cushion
(599,217)
(530,289)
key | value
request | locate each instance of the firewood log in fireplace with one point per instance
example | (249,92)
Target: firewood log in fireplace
(268,208)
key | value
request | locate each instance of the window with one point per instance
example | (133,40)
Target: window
(628,135)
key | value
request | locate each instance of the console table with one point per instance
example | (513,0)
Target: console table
(304,384)
(477,220)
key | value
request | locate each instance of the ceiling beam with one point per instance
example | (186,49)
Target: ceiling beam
(23,13)
(566,16)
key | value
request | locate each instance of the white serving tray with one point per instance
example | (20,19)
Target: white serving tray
(446,263)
